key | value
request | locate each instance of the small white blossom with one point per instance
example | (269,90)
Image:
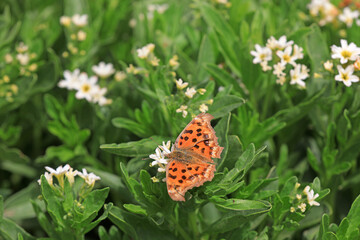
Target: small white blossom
(311,196)
(328,65)
(279,69)
(23,58)
(297,76)
(81,35)
(120,76)
(292,209)
(285,56)
(280,44)
(89,178)
(262,54)
(70,174)
(21,48)
(190,92)
(265,67)
(345,52)
(203,108)
(80,20)
(49,178)
(201,91)
(180,84)
(71,80)
(59,170)
(182,110)
(98,95)
(348,16)
(145,51)
(65,21)
(302,207)
(297,52)
(103,70)
(346,75)
(166,147)
(86,87)
(159,158)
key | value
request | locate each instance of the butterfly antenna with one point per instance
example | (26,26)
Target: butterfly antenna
(154,141)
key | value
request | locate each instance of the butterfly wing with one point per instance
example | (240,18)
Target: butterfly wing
(181,176)
(199,137)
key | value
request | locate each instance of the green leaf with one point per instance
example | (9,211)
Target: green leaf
(354,217)
(223,105)
(120,218)
(137,209)
(140,148)
(93,203)
(242,206)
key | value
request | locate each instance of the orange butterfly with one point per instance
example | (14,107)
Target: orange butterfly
(190,162)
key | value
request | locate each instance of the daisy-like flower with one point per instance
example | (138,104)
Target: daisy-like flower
(298,196)
(262,54)
(346,75)
(285,56)
(80,20)
(98,95)
(348,16)
(190,92)
(89,178)
(86,87)
(281,80)
(182,110)
(70,174)
(280,44)
(65,21)
(298,76)
(71,80)
(180,84)
(345,52)
(145,51)
(297,52)
(23,58)
(279,69)
(265,67)
(203,108)
(49,178)
(328,65)
(103,70)
(292,209)
(173,62)
(165,147)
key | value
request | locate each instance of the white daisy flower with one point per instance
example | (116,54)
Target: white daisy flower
(297,52)
(166,147)
(346,75)
(190,92)
(262,54)
(345,52)
(159,158)
(298,76)
(71,80)
(348,16)
(265,67)
(180,84)
(23,58)
(86,87)
(279,69)
(98,95)
(302,207)
(59,170)
(280,44)
(145,51)
(182,110)
(49,178)
(103,70)
(311,196)
(89,178)
(328,65)
(285,56)
(203,108)
(80,20)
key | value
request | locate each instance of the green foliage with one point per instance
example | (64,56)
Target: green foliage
(286,150)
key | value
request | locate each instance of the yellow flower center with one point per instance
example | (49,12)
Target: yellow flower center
(345,76)
(85,88)
(346,54)
(286,58)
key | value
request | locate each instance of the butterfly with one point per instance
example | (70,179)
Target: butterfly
(190,162)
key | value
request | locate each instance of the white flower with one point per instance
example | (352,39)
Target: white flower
(328,65)
(89,178)
(98,95)
(119,76)
(297,52)
(281,79)
(65,21)
(348,16)
(160,8)
(310,196)
(345,52)
(190,92)
(71,80)
(49,178)
(280,44)
(292,209)
(86,87)
(21,48)
(59,170)
(166,147)
(80,20)
(159,157)
(279,69)
(203,108)
(145,51)
(297,76)
(103,70)
(201,91)
(345,75)
(183,110)
(180,84)
(23,58)
(8,58)
(70,174)
(81,35)
(265,67)
(262,54)
(173,62)
(298,196)
(285,56)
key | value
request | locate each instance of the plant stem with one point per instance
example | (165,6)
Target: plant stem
(180,230)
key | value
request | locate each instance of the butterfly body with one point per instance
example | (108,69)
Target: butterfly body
(190,162)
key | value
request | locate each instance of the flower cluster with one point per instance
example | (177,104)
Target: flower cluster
(75,26)
(188,94)
(325,12)
(87,87)
(61,172)
(160,159)
(282,55)
(306,197)
(147,53)
(159,8)
(349,61)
